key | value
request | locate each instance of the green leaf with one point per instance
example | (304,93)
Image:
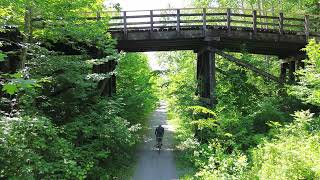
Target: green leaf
(2,57)
(10,88)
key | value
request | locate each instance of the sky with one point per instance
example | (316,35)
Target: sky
(128,5)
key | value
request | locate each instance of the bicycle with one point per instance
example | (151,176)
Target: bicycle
(159,144)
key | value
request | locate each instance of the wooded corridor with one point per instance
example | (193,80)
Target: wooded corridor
(234,84)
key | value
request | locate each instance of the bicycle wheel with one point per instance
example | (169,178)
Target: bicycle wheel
(159,148)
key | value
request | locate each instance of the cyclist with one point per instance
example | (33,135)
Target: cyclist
(159,134)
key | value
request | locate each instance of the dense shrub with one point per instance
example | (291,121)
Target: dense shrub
(136,86)
(293,154)
(251,134)
(64,130)
(87,147)
(32,148)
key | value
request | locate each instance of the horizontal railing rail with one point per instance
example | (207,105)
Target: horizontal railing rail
(206,18)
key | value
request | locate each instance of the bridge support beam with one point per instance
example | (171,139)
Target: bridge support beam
(289,67)
(206,76)
(283,72)
(292,69)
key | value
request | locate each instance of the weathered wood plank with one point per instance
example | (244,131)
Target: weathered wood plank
(204,19)
(241,15)
(281,29)
(125,30)
(178,21)
(306,27)
(229,20)
(151,20)
(254,20)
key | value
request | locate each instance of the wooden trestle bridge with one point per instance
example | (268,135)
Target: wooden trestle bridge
(211,31)
(208,32)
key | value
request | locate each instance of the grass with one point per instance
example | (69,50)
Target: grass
(185,169)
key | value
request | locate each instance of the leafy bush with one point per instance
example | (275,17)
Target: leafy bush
(293,154)
(32,148)
(86,147)
(87,132)
(100,136)
(136,86)
(308,89)
(251,134)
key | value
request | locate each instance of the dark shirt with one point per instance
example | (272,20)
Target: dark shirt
(159,131)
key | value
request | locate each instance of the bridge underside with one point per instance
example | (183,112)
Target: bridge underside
(213,41)
(261,42)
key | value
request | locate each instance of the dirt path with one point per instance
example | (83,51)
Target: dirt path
(151,165)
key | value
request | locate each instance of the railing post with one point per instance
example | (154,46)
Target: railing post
(204,20)
(281,31)
(178,21)
(125,30)
(254,18)
(306,26)
(229,20)
(151,20)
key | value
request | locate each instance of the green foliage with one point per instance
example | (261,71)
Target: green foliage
(308,88)
(64,21)
(271,6)
(96,137)
(18,83)
(294,154)
(2,55)
(136,86)
(90,131)
(63,128)
(32,148)
(250,130)
(100,135)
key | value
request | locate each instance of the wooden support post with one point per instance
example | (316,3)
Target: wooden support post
(300,64)
(206,76)
(199,75)
(306,27)
(254,21)
(204,20)
(281,30)
(229,20)
(212,77)
(151,20)
(178,21)
(125,30)
(292,69)
(283,72)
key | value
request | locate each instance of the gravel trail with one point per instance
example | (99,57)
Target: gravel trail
(151,165)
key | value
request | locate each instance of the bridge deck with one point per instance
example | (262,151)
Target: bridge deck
(226,29)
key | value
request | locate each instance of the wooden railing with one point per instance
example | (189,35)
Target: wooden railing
(206,18)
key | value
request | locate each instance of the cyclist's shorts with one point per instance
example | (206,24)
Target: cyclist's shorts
(159,138)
